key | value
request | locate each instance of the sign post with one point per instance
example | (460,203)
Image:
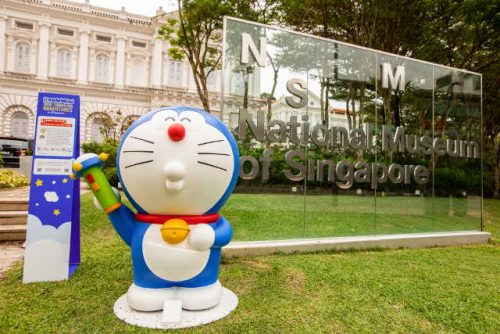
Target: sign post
(53,237)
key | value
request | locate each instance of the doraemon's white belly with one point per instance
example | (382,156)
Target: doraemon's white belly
(177,262)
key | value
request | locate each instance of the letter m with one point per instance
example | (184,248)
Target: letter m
(247,46)
(396,78)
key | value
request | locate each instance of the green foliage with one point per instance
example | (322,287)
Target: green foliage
(109,146)
(461,34)
(11,179)
(1,160)
(196,34)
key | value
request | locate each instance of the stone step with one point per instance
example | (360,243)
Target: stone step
(13,218)
(13,204)
(12,232)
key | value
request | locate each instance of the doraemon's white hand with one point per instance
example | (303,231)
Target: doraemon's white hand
(201,237)
(98,205)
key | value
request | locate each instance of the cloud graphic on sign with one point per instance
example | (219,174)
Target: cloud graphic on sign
(46,256)
(51,196)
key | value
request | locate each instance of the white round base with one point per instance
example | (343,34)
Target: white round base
(227,304)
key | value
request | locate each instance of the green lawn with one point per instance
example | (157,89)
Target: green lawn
(278,216)
(444,290)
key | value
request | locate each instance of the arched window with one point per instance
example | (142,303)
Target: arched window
(19,124)
(239,84)
(175,73)
(95,129)
(102,68)
(64,63)
(137,72)
(127,122)
(23,57)
(211,80)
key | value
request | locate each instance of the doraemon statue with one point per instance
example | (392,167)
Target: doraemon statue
(177,167)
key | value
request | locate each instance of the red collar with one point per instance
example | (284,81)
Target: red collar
(191,220)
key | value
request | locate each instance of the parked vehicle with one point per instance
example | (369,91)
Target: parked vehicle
(11,148)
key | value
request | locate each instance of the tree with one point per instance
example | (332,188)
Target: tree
(196,34)
(458,33)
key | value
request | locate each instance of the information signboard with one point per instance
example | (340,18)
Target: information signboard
(53,236)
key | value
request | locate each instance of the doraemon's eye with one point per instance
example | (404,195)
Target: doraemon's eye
(185,119)
(170,118)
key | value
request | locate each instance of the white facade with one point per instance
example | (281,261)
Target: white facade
(112,59)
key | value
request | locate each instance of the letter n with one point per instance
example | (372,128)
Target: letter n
(247,46)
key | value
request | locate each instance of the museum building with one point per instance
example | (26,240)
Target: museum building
(111,58)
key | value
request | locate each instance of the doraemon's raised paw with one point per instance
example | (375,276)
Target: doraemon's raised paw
(201,237)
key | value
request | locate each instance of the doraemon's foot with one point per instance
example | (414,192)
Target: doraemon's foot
(144,299)
(201,298)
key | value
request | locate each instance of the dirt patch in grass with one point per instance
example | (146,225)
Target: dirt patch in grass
(295,279)
(256,264)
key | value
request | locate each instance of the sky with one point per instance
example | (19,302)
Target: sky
(143,7)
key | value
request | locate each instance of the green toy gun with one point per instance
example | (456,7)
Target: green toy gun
(89,166)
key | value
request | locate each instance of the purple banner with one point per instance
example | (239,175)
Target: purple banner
(53,237)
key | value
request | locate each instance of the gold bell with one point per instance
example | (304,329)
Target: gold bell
(174,230)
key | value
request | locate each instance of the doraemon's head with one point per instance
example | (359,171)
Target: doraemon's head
(178,160)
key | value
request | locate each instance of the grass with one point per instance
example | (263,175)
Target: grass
(278,216)
(441,290)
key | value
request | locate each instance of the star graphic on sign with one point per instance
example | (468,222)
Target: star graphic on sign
(39,183)
(56,212)
(65,180)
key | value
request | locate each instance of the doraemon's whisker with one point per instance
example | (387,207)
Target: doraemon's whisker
(213,153)
(144,140)
(139,163)
(211,142)
(137,151)
(210,165)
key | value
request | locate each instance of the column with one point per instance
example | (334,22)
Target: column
(74,60)
(120,61)
(53,59)
(128,78)
(43,50)
(92,64)
(10,53)
(157,61)
(3,24)
(83,56)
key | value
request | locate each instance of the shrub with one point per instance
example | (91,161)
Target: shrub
(109,146)
(11,179)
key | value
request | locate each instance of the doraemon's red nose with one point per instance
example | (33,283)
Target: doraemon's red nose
(176,132)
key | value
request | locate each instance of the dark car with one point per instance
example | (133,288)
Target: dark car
(11,148)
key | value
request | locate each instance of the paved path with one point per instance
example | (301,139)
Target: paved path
(10,253)
(18,193)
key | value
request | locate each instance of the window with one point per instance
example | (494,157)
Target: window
(19,124)
(175,72)
(65,32)
(211,81)
(239,84)
(24,25)
(95,129)
(137,72)
(138,44)
(64,63)
(102,38)
(23,57)
(127,122)
(102,68)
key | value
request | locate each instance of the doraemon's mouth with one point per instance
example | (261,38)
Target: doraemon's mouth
(174,172)
(174,185)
